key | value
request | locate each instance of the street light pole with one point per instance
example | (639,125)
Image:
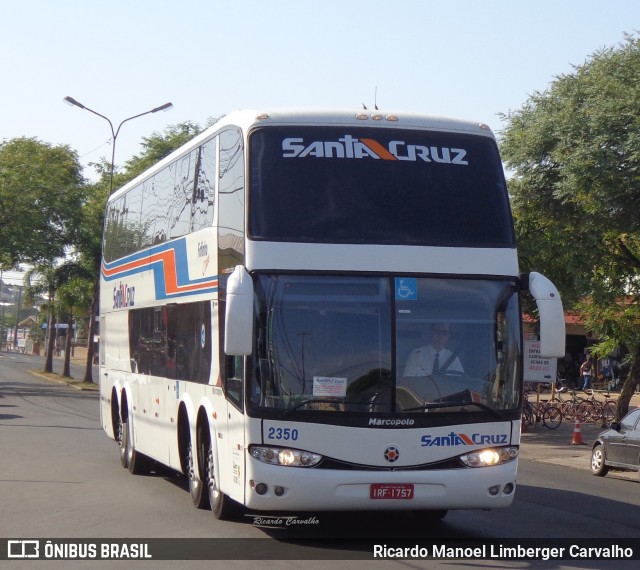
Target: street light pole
(96,285)
(115,132)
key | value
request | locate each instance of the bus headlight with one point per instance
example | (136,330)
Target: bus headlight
(489,457)
(284,456)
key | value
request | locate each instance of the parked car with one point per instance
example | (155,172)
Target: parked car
(618,447)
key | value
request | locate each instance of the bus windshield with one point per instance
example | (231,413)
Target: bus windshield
(367,185)
(348,344)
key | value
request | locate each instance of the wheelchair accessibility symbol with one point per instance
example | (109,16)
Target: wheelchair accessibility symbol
(406,289)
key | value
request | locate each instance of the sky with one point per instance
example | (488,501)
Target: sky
(470,59)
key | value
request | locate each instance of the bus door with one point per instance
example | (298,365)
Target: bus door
(232,474)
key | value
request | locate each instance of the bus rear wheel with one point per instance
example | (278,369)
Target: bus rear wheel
(121,438)
(222,506)
(137,463)
(196,487)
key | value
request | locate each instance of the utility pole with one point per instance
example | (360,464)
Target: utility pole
(2,321)
(15,336)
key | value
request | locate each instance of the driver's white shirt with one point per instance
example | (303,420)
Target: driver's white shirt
(420,361)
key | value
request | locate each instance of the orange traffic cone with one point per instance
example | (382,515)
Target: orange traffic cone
(577,434)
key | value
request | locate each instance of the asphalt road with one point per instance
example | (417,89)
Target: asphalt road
(60,476)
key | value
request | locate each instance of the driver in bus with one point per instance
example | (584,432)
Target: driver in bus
(433,357)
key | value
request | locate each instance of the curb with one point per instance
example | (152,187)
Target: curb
(76,385)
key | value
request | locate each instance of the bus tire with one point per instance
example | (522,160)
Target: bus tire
(121,438)
(197,489)
(137,463)
(222,506)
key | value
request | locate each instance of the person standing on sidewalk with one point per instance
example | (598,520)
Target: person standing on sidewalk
(586,372)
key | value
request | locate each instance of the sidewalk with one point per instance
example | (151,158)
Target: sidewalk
(77,373)
(556,446)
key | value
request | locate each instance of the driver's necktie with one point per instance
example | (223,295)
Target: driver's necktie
(436,363)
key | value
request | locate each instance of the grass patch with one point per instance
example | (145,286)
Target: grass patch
(53,376)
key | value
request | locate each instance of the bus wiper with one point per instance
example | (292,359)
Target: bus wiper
(312,401)
(442,405)
(339,401)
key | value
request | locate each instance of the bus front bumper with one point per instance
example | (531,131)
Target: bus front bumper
(273,487)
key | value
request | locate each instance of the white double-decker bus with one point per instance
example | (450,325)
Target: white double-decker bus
(307,311)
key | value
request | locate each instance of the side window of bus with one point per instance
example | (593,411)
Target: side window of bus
(156,346)
(182,195)
(193,342)
(231,367)
(147,335)
(204,194)
(172,341)
(231,212)
(115,230)
(234,378)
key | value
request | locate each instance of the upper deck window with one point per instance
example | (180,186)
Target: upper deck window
(175,201)
(367,185)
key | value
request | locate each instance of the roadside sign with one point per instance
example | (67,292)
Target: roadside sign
(536,367)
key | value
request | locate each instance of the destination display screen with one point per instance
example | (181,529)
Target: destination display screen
(381,186)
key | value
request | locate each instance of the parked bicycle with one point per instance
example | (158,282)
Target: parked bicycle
(588,409)
(603,411)
(575,408)
(549,414)
(562,384)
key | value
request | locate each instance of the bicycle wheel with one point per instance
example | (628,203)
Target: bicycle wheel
(584,411)
(609,410)
(568,410)
(538,410)
(527,413)
(552,417)
(597,411)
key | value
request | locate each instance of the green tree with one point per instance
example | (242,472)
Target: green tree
(40,283)
(75,297)
(89,250)
(67,291)
(574,155)
(41,193)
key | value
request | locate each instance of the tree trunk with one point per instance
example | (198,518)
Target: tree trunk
(629,386)
(95,304)
(48,361)
(66,371)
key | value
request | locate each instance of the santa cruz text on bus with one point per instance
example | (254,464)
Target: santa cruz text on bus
(351,147)
(454,438)
(123,296)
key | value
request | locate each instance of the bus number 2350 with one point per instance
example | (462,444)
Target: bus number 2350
(285,434)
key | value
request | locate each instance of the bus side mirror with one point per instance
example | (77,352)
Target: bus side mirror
(238,326)
(552,328)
